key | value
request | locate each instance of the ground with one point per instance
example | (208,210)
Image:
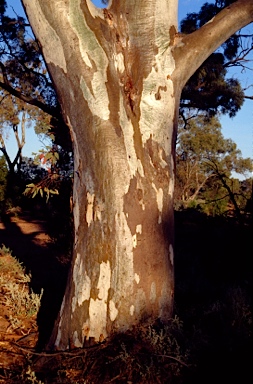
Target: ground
(208,340)
(22,235)
(36,265)
(28,261)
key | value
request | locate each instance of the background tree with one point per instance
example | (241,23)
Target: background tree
(3,179)
(24,74)
(16,117)
(205,162)
(209,90)
(23,71)
(119,79)
(26,85)
(14,121)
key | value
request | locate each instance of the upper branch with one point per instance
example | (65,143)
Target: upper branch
(53,111)
(190,51)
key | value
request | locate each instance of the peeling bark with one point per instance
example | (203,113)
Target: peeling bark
(118,74)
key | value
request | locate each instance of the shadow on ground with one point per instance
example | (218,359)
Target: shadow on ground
(26,236)
(213,298)
(213,294)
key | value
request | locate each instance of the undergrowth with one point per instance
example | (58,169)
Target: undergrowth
(19,307)
(21,301)
(209,340)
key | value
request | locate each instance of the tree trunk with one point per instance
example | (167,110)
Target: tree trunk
(116,76)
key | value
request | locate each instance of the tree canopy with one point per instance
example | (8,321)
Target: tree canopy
(210,89)
(25,75)
(23,72)
(205,162)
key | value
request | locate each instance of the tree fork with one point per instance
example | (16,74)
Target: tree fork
(119,73)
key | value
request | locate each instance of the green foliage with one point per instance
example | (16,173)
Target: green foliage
(35,189)
(205,162)
(24,77)
(48,155)
(215,94)
(21,61)
(209,90)
(59,171)
(16,181)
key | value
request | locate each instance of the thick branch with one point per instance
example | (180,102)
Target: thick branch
(44,107)
(30,100)
(192,50)
(3,149)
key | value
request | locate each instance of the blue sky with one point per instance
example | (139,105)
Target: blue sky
(239,129)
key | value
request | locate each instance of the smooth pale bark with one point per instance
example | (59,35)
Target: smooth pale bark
(119,73)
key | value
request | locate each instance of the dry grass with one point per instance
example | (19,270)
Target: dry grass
(18,314)
(146,355)
(213,297)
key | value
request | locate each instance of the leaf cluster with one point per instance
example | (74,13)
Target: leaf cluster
(41,189)
(21,62)
(209,89)
(58,167)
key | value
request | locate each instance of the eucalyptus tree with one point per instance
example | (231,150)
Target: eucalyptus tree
(119,74)
(206,160)
(13,122)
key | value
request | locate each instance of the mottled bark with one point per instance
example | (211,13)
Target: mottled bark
(118,81)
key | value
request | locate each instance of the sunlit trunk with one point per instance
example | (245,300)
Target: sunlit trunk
(118,74)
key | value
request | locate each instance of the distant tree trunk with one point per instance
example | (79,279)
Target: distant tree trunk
(222,177)
(119,73)
(13,177)
(20,144)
